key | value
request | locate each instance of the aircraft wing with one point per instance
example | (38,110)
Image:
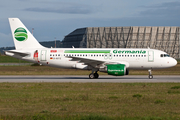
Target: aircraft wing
(96,63)
(19,53)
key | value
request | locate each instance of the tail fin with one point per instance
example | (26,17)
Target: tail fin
(23,39)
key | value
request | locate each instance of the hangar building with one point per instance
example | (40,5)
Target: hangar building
(163,38)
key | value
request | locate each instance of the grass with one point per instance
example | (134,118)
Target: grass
(8,59)
(89,101)
(137,96)
(45,70)
(175,87)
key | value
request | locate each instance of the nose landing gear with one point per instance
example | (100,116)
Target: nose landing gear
(150,74)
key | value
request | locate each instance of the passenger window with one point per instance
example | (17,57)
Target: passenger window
(162,55)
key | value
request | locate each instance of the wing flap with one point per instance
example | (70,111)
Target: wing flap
(95,62)
(88,61)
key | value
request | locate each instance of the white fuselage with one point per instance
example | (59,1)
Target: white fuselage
(132,58)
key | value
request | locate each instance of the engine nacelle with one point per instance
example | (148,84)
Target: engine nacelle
(117,69)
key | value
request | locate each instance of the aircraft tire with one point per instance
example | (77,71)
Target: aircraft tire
(91,76)
(150,76)
(96,75)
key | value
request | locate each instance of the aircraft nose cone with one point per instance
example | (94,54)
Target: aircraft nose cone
(173,62)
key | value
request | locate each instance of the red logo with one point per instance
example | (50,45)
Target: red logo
(53,51)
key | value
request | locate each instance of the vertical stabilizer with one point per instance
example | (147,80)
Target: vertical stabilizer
(23,39)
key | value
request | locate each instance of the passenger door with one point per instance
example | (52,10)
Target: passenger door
(43,55)
(150,56)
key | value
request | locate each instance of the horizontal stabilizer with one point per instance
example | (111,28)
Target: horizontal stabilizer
(19,53)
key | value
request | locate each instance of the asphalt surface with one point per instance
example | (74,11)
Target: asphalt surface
(15,64)
(85,79)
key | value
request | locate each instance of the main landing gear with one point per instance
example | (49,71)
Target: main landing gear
(93,75)
(150,74)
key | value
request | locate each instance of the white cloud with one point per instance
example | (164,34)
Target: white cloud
(63,10)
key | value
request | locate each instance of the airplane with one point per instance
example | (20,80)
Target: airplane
(114,61)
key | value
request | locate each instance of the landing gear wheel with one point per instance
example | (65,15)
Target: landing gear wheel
(96,75)
(91,76)
(150,76)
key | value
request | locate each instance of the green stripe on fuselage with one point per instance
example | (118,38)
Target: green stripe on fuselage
(87,51)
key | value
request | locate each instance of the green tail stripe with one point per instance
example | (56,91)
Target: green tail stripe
(87,51)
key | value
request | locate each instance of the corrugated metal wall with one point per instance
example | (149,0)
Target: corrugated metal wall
(162,38)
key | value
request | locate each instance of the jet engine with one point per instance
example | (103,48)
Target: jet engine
(116,69)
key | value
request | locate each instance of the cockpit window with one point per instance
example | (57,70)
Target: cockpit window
(164,55)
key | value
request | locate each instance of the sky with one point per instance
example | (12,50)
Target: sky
(57,18)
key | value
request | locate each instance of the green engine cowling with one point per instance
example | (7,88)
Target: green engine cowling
(117,69)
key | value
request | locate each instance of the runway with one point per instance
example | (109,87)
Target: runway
(85,79)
